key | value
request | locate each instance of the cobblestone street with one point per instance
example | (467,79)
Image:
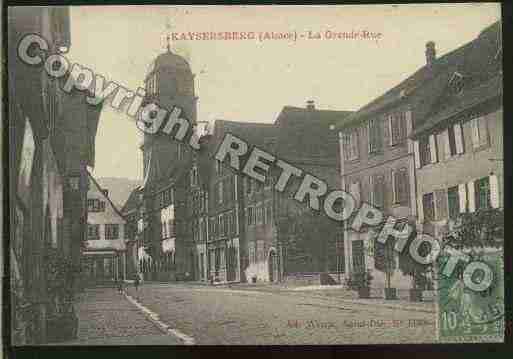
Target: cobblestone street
(108,318)
(247,315)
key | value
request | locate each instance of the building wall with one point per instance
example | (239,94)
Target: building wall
(222,244)
(260,233)
(391,158)
(469,166)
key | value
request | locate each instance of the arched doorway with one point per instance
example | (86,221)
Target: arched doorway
(273,266)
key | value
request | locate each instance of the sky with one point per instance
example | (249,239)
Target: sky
(251,80)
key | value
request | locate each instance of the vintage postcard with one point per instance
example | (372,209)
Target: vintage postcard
(226,175)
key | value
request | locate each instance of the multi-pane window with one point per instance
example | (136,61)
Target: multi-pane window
(479,132)
(95,205)
(375,135)
(424,151)
(482,192)
(112,231)
(428,206)
(454,202)
(93,231)
(378,190)
(350,145)
(400,182)
(397,128)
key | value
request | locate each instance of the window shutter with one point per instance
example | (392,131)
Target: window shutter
(420,209)
(432,148)
(483,131)
(394,187)
(471,197)
(355,192)
(462,194)
(458,138)
(494,191)
(409,124)
(447,146)
(441,204)
(416,153)
(391,129)
(475,132)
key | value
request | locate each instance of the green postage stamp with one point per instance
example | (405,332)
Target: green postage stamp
(470,316)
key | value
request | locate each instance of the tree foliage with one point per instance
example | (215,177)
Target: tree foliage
(309,233)
(480,229)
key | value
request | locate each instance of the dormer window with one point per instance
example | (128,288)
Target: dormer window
(456,83)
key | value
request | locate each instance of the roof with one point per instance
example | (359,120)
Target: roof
(307,133)
(482,75)
(254,133)
(469,99)
(132,201)
(104,195)
(410,88)
(169,59)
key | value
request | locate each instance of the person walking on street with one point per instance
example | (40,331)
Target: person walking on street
(136,282)
(120,286)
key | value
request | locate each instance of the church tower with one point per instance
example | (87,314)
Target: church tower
(169,82)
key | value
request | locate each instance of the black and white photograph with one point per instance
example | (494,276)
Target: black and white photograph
(254,175)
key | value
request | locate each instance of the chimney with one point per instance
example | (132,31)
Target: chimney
(310,105)
(105,192)
(430,53)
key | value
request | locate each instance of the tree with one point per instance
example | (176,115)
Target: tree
(384,259)
(481,229)
(408,266)
(309,233)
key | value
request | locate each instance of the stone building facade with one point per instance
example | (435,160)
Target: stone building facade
(52,134)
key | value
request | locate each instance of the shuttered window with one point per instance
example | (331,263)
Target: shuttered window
(453,200)
(378,191)
(482,193)
(479,132)
(428,206)
(401,190)
(441,204)
(424,151)
(375,135)
(350,143)
(397,128)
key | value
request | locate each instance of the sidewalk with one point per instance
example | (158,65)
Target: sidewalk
(338,292)
(106,317)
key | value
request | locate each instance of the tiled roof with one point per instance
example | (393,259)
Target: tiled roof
(410,89)
(482,79)
(306,133)
(255,134)
(469,99)
(425,89)
(132,201)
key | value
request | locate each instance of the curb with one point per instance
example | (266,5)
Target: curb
(163,327)
(390,306)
